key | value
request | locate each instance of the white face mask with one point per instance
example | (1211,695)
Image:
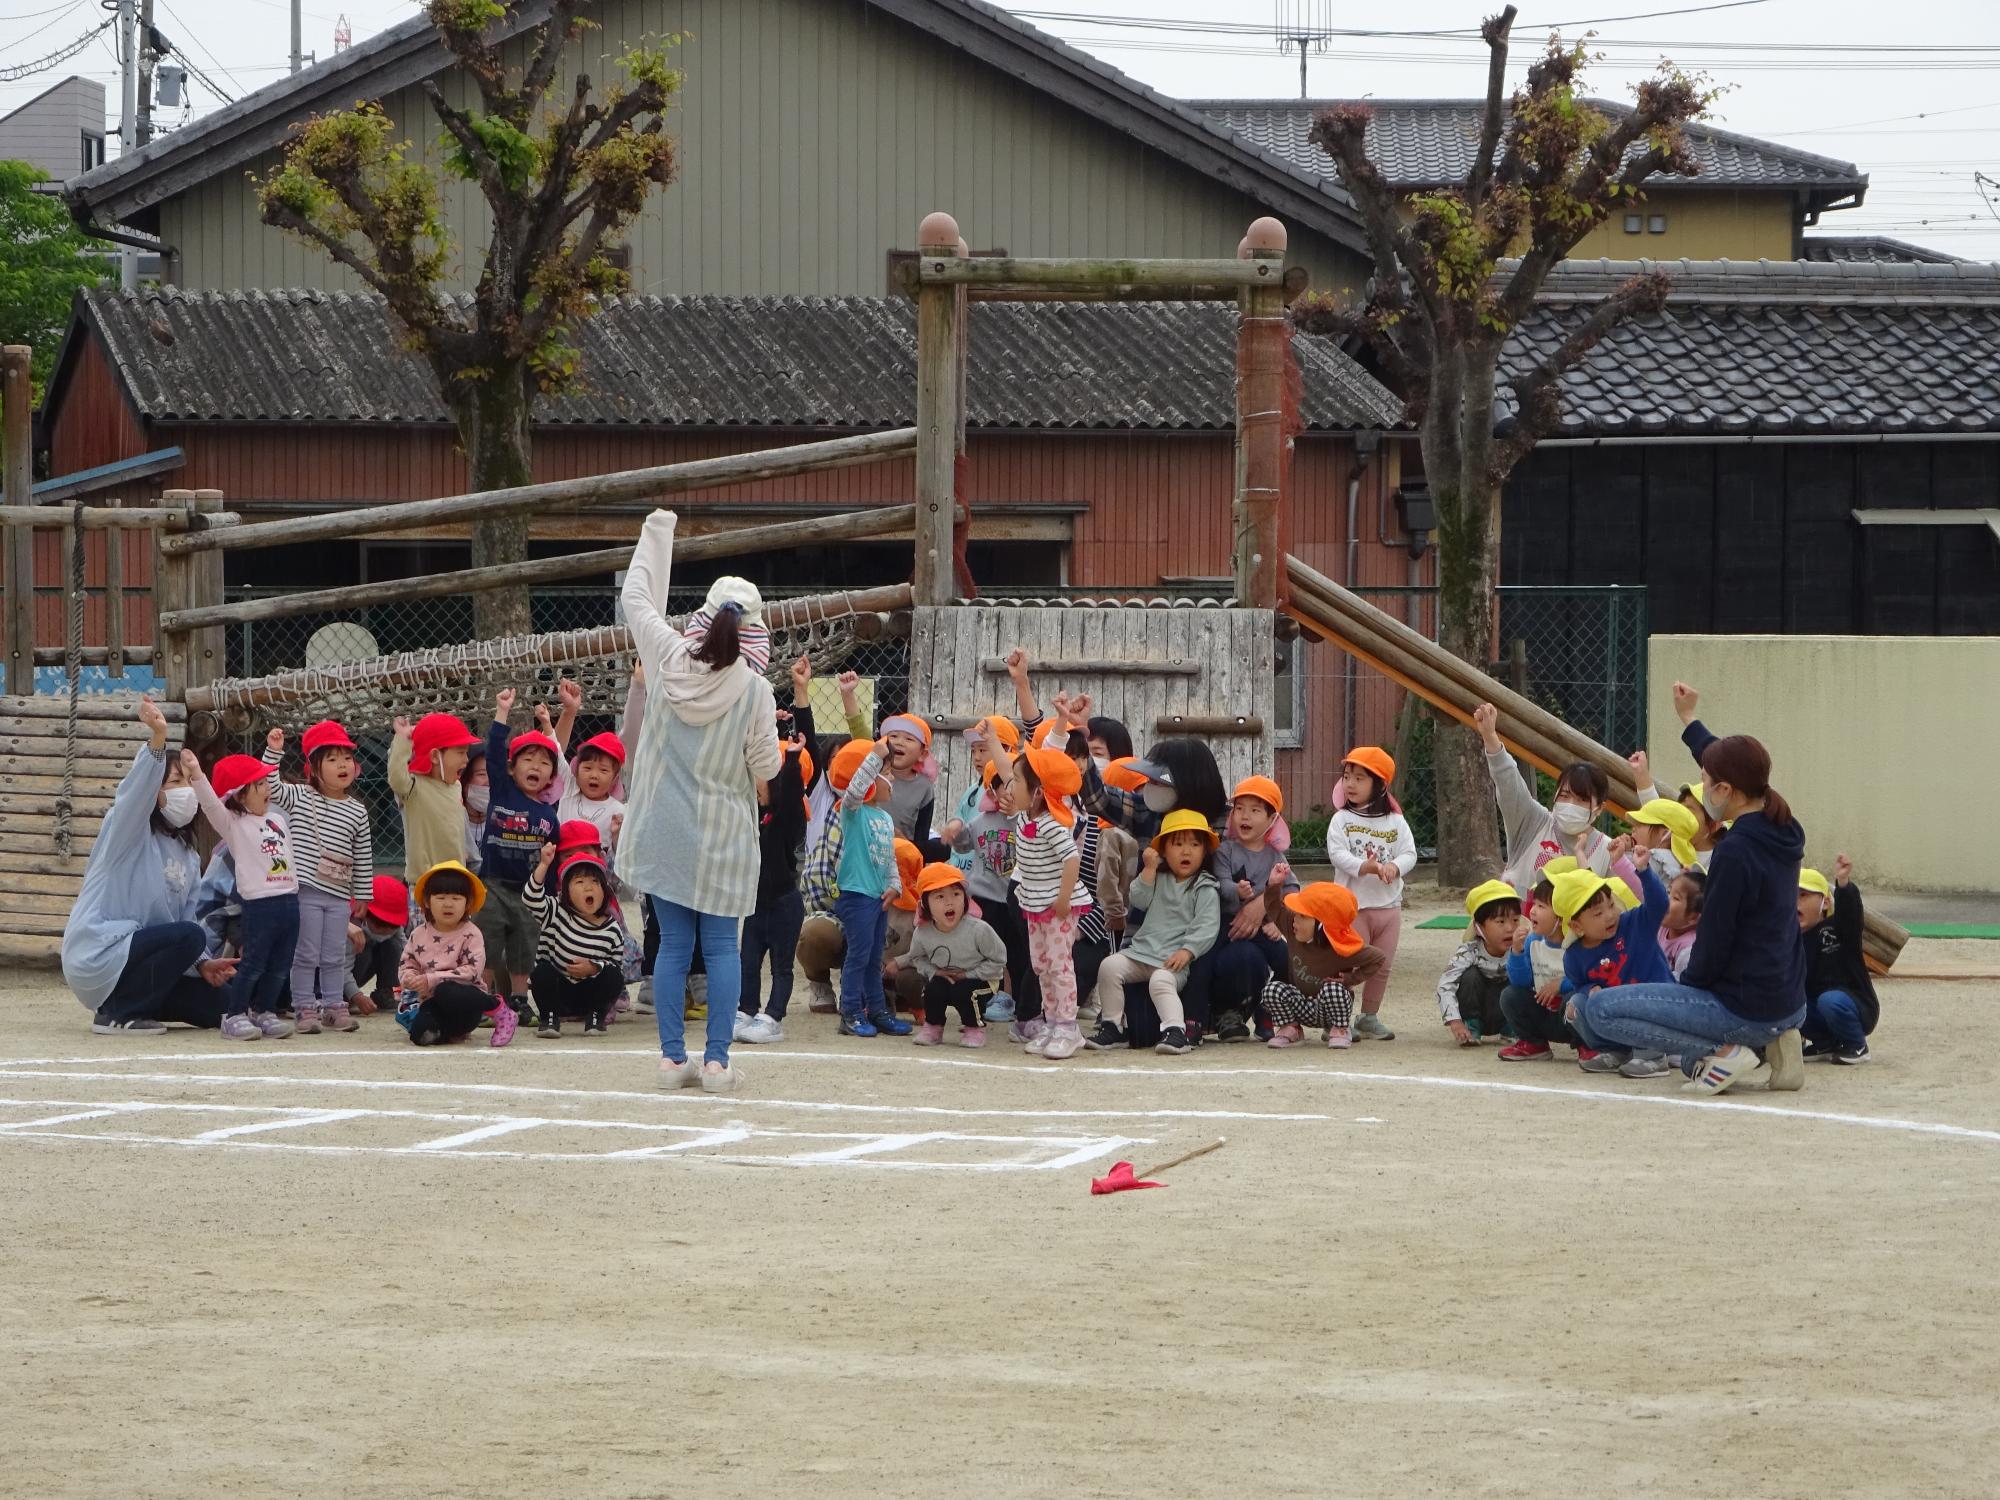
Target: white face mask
(179,806)
(1102,762)
(1571,818)
(1715,806)
(1158,798)
(478,798)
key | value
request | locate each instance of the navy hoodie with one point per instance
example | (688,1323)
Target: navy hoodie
(1747,950)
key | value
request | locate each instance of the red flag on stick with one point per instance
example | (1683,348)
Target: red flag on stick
(1121,1178)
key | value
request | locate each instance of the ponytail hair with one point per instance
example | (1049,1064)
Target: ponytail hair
(1745,764)
(722,643)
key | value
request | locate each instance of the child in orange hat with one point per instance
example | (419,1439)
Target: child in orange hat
(334,856)
(988,841)
(1228,981)
(958,957)
(1371,849)
(236,800)
(913,774)
(1051,897)
(900,984)
(853,873)
(1325,959)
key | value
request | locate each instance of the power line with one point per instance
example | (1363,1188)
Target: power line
(58,13)
(213,59)
(42,64)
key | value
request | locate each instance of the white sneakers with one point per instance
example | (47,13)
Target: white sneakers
(759,1029)
(719,1080)
(1727,1068)
(679,1075)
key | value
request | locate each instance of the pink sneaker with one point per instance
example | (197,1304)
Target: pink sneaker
(339,1018)
(305,1020)
(241,1029)
(504,1023)
(1288,1035)
(1339,1037)
(972,1036)
(1065,1039)
(928,1035)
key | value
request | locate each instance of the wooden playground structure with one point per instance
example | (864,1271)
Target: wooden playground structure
(1205,671)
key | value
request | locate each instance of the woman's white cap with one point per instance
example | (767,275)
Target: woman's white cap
(740,592)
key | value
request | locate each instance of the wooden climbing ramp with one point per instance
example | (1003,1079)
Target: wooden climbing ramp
(38,881)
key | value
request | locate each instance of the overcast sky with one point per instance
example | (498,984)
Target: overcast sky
(1910,92)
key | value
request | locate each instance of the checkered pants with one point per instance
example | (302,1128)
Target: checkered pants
(1288,1005)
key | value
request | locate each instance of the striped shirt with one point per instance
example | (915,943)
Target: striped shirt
(1042,846)
(1090,926)
(332,849)
(566,936)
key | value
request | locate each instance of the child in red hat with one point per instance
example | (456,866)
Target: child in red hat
(237,802)
(376,938)
(580,954)
(518,825)
(425,760)
(335,859)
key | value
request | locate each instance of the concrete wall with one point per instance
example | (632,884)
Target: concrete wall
(1880,743)
(1702,225)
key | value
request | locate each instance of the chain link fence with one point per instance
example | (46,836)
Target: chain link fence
(261,648)
(1578,652)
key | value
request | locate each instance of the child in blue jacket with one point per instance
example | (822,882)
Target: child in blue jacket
(1611,945)
(1537,985)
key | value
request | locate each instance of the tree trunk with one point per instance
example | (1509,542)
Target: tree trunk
(492,417)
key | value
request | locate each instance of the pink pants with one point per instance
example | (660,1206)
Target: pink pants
(1049,945)
(1381,928)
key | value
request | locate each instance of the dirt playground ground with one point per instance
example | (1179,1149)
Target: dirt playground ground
(341,1266)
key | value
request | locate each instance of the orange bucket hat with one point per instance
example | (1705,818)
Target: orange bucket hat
(1376,761)
(1060,780)
(1332,906)
(1123,774)
(909,865)
(908,724)
(1002,731)
(846,761)
(1264,789)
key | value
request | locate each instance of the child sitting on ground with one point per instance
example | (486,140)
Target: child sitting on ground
(237,804)
(519,824)
(1841,1008)
(1610,945)
(580,955)
(335,860)
(900,985)
(958,956)
(1325,959)
(424,766)
(1468,992)
(439,995)
(1252,948)
(1536,984)
(376,938)
(1685,893)
(1183,914)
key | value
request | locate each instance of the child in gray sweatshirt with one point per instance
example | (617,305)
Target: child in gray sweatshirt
(959,958)
(1183,907)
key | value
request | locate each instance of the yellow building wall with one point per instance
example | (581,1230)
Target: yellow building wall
(1878,742)
(1700,226)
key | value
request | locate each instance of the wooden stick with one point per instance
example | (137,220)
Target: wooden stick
(808,531)
(996,666)
(1187,1156)
(988,270)
(627,485)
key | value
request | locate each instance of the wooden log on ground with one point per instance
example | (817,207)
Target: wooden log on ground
(778,536)
(626,485)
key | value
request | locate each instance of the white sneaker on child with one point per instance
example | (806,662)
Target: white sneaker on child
(761,1029)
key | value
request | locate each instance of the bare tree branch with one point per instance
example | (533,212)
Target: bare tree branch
(557,32)
(1495,31)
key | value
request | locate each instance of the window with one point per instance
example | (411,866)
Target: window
(1634,223)
(93,151)
(1657,224)
(1288,703)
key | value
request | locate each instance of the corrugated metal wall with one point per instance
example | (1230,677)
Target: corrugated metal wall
(814,135)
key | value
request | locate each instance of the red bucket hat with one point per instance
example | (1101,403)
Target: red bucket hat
(606,744)
(534,739)
(389,902)
(325,735)
(234,772)
(578,833)
(589,860)
(435,732)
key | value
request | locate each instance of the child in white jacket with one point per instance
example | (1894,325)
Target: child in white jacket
(1371,849)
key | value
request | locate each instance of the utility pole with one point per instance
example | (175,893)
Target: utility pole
(298,36)
(147,58)
(128,119)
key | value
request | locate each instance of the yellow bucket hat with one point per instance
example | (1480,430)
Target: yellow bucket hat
(1185,820)
(1678,819)
(1576,889)
(1812,880)
(472,903)
(1488,890)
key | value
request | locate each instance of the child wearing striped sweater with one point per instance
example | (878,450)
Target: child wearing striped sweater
(579,957)
(1052,897)
(334,855)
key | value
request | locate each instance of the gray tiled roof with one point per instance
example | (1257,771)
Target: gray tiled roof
(1431,142)
(1881,249)
(789,362)
(1777,347)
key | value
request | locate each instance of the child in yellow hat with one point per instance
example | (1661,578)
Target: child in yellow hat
(1841,1006)
(1183,918)
(1665,832)
(1468,992)
(439,996)
(1612,943)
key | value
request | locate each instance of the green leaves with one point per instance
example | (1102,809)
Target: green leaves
(44,259)
(516,155)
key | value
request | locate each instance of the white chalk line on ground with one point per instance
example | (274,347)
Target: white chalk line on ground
(835,1148)
(1146,1074)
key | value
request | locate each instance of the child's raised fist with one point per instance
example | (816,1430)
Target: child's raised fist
(1150,859)
(1280,873)
(570,693)
(802,672)
(1686,700)
(190,766)
(1621,847)
(150,715)
(848,682)
(543,721)
(275,740)
(401,724)
(1642,768)
(1017,664)
(1079,710)
(548,858)
(503,703)
(617,822)
(1843,869)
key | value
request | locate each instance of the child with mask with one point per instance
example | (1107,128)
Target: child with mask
(1537,834)
(376,937)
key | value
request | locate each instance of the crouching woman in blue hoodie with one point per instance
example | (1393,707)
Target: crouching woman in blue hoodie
(1744,986)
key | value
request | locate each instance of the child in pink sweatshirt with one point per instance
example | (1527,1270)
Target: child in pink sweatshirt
(439,997)
(237,803)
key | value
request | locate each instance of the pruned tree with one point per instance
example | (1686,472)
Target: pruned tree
(562,178)
(1455,270)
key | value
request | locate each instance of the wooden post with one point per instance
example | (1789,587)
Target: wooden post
(938,336)
(961,483)
(173,589)
(16,410)
(114,599)
(1260,426)
(208,647)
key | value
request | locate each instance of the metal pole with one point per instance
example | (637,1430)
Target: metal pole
(298,37)
(1302,67)
(128,118)
(144,120)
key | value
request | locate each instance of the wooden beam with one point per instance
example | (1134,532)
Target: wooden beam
(939,330)
(95,656)
(115,654)
(748,539)
(996,666)
(95,518)
(123,709)
(629,484)
(934,268)
(17,436)
(1262,336)
(1205,724)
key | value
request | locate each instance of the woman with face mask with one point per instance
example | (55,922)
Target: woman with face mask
(1536,834)
(132,950)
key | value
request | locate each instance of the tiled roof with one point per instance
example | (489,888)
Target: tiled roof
(793,362)
(1879,249)
(1776,347)
(1431,142)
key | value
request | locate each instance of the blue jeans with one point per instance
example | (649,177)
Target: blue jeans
(1669,1018)
(680,928)
(772,932)
(1834,1017)
(270,935)
(155,984)
(865,924)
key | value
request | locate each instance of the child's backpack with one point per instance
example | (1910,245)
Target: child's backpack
(819,879)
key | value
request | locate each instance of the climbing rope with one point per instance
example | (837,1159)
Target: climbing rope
(73,666)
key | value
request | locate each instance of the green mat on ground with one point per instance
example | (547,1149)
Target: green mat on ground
(1986,930)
